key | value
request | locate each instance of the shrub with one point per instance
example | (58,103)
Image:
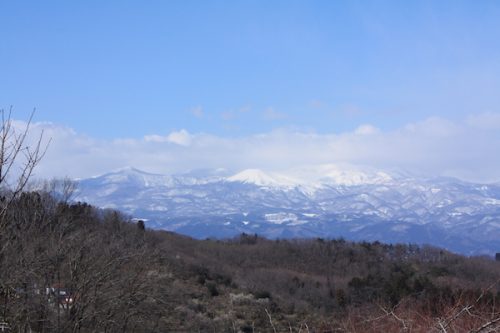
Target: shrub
(212,289)
(260,294)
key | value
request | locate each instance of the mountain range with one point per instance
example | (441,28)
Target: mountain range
(326,201)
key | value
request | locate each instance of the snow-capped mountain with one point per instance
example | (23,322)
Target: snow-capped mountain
(316,201)
(261,178)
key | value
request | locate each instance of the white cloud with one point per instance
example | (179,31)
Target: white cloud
(155,138)
(434,146)
(366,129)
(434,127)
(182,138)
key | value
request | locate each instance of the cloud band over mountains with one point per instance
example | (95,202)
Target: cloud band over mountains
(468,148)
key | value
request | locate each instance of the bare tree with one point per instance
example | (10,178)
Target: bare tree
(17,159)
(60,189)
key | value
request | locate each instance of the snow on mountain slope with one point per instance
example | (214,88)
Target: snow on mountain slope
(134,176)
(310,179)
(318,201)
(260,178)
(334,174)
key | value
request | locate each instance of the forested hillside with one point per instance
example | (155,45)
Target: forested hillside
(69,267)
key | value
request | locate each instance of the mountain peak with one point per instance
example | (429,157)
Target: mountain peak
(132,175)
(130,170)
(339,175)
(261,178)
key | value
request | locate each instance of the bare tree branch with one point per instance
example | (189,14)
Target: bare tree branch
(14,152)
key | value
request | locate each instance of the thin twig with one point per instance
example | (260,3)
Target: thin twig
(270,320)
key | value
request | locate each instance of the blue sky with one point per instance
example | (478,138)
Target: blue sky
(234,69)
(123,68)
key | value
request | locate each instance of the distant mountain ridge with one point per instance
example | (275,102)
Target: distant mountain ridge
(317,201)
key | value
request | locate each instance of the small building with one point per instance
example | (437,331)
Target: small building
(4,326)
(61,296)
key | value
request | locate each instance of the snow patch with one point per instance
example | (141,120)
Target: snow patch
(260,178)
(491,201)
(400,228)
(280,218)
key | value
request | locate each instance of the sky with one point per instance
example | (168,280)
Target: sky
(170,86)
